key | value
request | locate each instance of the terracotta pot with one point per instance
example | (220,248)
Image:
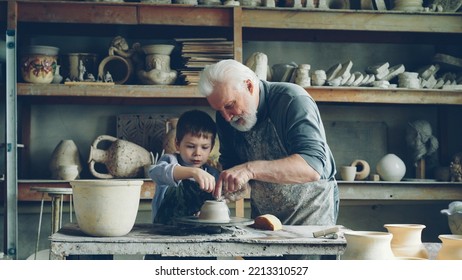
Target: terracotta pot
(406,241)
(123,159)
(368,245)
(451,248)
(106,207)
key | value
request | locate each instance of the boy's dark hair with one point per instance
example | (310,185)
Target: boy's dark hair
(196,122)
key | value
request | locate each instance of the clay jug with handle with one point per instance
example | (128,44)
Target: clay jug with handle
(123,159)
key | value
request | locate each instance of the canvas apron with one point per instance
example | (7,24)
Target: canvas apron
(294,204)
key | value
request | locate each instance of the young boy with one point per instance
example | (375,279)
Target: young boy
(183,180)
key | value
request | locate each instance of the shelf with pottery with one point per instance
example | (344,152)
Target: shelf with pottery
(227,16)
(320,94)
(357,190)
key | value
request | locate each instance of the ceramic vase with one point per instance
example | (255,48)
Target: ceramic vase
(451,247)
(66,153)
(106,207)
(123,159)
(157,65)
(406,241)
(368,245)
(170,136)
(38,64)
(391,168)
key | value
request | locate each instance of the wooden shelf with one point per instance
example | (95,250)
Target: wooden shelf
(353,20)
(358,190)
(224,16)
(176,93)
(404,191)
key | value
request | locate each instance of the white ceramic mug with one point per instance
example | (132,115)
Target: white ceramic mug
(348,173)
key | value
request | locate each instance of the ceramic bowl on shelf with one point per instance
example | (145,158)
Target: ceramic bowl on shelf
(38,64)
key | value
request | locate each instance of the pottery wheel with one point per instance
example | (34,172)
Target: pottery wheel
(194,220)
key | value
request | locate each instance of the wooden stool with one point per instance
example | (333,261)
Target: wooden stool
(56,195)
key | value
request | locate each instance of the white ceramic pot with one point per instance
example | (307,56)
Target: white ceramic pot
(106,207)
(451,248)
(406,241)
(391,168)
(214,212)
(368,245)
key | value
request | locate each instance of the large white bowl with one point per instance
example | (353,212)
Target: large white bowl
(106,207)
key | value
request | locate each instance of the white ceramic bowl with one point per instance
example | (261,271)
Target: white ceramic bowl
(106,207)
(214,212)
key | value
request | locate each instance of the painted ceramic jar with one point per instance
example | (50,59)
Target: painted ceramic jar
(38,64)
(368,245)
(406,241)
(451,248)
(391,168)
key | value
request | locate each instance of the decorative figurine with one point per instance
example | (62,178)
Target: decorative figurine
(455,168)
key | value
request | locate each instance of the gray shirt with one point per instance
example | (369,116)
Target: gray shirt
(298,124)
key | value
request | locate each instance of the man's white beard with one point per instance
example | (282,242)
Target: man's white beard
(250,118)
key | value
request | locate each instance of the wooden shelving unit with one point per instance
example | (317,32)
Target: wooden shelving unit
(237,24)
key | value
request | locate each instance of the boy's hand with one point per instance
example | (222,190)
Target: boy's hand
(205,180)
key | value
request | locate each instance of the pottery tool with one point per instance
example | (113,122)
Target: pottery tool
(326,232)
(153,160)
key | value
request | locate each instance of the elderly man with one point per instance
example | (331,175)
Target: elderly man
(272,138)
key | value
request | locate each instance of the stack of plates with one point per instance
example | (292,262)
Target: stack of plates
(408,5)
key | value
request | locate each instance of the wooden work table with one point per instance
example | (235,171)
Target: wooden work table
(196,242)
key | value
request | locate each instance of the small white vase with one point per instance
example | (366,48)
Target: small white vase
(65,153)
(368,245)
(451,248)
(407,241)
(391,168)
